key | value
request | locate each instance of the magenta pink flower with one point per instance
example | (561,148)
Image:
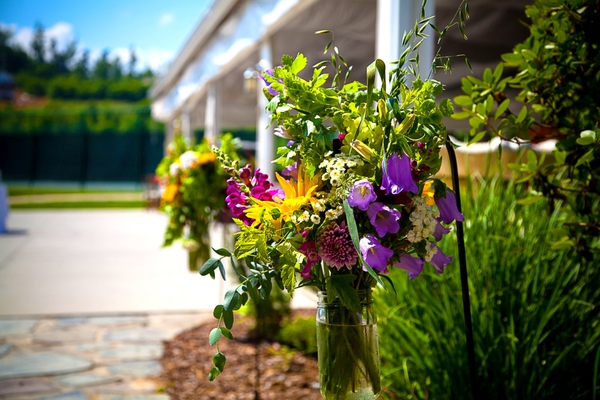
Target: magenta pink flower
(309,249)
(259,186)
(335,246)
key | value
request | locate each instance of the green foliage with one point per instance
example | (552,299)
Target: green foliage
(77,117)
(556,73)
(300,334)
(535,310)
(58,75)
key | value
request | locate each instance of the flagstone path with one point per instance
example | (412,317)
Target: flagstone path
(103,357)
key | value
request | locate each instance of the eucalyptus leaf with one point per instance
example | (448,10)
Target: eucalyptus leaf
(209,266)
(214,336)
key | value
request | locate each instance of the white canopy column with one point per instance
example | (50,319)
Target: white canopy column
(212,120)
(394,17)
(186,129)
(264,132)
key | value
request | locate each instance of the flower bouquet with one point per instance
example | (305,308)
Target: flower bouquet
(194,192)
(357,197)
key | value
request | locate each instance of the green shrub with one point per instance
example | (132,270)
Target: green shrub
(300,334)
(535,311)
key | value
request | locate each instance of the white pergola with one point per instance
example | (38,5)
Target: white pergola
(211,84)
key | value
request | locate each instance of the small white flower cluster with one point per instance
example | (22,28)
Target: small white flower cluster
(302,217)
(188,159)
(337,165)
(334,213)
(431,251)
(305,216)
(174,169)
(423,220)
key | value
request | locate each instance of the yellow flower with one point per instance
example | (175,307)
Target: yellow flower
(428,193)
(206,158)
(297,194)
(170,192)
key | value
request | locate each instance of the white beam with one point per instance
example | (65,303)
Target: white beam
(264,132)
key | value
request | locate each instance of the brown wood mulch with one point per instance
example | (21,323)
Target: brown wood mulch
(255,370)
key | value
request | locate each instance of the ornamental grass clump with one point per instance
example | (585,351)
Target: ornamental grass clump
(535,309)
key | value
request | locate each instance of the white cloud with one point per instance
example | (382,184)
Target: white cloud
(22,37)
(166,19)
(157,60)
(62,32)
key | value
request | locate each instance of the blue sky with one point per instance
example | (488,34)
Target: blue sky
(155,29)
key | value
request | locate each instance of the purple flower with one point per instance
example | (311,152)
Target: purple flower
(336,247)
(383,218)
(269,71)
(309,249)
(412,265)
(361,195)
(448,209)
(291,171)
(374,253)
(397,175)
(440,230)
(439,260)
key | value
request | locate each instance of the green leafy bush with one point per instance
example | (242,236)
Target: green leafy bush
(535,311)
(299,333)
(556,72)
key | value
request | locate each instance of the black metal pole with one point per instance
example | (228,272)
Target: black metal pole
(464,280)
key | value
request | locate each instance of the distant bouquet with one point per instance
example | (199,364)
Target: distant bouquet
(357,195)
(194,193)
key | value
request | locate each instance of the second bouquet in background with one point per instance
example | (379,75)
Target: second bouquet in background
(194,193)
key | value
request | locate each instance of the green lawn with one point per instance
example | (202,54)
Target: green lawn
(40,197)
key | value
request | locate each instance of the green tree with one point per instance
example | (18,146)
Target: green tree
(116,70)
(12,59)
(61,60)
(81,68)
(38,44)
(102,66)
(132,62)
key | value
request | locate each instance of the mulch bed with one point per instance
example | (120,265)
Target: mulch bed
(255,370)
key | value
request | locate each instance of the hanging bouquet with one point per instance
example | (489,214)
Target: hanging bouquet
(357,196)
(194,193)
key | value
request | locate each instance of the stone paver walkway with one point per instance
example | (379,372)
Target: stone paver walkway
(88,296)
(102,357)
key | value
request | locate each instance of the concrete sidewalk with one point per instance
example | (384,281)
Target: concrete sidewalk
(86,299)
(101,261)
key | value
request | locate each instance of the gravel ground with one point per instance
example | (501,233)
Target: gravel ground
(255,370)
